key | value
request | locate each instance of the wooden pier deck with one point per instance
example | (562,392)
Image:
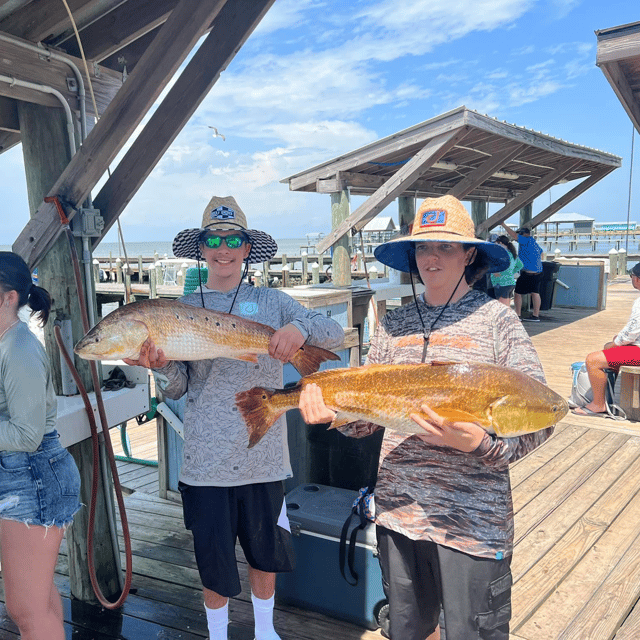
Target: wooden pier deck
(576,565)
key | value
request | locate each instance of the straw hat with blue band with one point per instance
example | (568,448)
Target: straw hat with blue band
(442,219)
(224,214)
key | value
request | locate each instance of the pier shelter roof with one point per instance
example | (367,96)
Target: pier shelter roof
(141,41)
(618,56)
(462,153)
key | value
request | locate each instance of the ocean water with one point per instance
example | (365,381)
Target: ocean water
(295,246)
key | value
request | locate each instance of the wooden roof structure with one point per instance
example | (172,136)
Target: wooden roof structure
(141,41)
(462,153)
(618,56)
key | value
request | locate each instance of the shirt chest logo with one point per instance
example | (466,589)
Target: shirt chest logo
(248,308)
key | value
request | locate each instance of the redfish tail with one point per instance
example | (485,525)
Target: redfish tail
(258,412)
(307,359)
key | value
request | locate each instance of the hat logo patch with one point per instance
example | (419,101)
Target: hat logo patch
(223,213)
(433,218)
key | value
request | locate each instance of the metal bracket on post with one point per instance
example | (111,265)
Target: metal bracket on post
(91,223)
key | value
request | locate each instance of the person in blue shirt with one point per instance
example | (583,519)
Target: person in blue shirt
(530,253)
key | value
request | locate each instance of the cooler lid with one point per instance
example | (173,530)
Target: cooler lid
(324,510)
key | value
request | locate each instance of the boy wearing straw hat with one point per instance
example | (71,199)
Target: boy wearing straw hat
(444,513)
(228,491)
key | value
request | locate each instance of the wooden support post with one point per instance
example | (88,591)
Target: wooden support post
(479,215)
(526,215)
(96,270)
(46,154)
(140,270)
(119,279)
(285,276)
(406,215)
(341,263)
(315,273)
(153,291)
(266,265)
(305,267)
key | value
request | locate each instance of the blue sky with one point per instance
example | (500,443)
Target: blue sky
(319,78)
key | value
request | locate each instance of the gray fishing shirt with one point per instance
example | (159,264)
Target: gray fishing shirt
(27,398)
(215,434)
(459,500)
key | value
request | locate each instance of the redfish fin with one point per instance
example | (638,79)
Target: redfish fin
(258,412)
(455,415)
(307,359)
(340,420)
(247,357)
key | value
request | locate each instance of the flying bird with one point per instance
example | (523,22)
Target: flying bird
(216,134)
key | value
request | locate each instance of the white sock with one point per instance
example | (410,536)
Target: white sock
(263,616)
(217,621)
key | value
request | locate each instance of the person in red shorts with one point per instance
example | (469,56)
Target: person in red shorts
(624,349)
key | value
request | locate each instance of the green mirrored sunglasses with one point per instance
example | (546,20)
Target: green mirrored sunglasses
(233,242)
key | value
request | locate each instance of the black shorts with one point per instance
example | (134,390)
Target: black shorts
(253,514)
(421,578)
(528,283)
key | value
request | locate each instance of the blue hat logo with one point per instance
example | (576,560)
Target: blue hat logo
(223,213)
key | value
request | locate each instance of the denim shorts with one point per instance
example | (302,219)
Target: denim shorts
(40,487)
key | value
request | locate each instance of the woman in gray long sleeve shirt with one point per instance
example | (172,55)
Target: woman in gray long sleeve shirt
(39,481)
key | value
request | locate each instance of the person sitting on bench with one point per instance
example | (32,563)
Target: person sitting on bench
(624,349)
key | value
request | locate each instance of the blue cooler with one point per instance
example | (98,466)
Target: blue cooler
(317,514)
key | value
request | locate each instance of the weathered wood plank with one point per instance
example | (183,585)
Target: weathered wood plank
(121,26)
(546,558)
(485,170)
(231,28)
(563,169)
(563,437)
(573,193)
(22,64)
(557,468)
(565,605)
(161,60)
(394,186)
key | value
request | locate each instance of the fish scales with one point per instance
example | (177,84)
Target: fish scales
(185,332)
(501,400)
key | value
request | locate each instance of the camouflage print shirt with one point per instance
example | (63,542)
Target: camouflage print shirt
(459,500)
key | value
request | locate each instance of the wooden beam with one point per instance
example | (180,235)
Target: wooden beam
(620,85)
(561,202)
(9,116)
(416,137)
(131,54)
(564,169)
(8,140)
(364,184)
(615,48)
(484,171)
(120,27)
(40,19)
(395,185)
(161,60)
(232,26)
(23,64)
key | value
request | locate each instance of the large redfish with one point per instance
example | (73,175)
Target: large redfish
(501,400)
(185,332)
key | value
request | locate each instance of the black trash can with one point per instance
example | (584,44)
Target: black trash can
(547,286)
